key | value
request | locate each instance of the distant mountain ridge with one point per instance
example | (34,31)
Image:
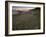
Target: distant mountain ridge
(25,12)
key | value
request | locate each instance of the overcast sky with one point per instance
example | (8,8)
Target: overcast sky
(22,8)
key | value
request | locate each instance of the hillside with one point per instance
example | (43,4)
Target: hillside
(24,20)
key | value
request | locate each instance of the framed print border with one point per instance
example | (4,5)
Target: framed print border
(6,18)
